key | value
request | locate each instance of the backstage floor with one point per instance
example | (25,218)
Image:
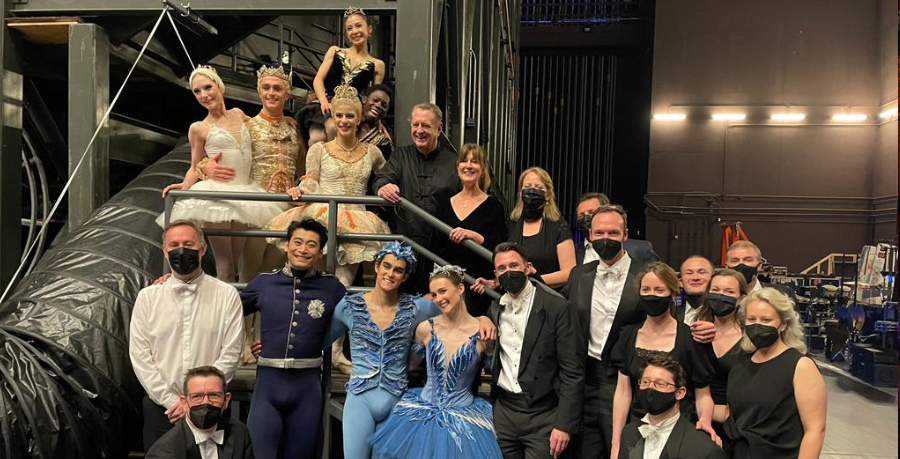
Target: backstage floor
(862,421)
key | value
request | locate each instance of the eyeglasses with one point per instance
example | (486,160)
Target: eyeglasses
(658,385)
(214,397)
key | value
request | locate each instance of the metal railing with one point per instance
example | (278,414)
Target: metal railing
(333,201)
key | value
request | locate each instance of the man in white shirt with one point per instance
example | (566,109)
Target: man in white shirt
(664,432)
(538,366)
(587,204)
(204,432)
(605,295)
(695,274)
(188,321)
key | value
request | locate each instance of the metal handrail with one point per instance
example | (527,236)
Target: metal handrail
(332,201)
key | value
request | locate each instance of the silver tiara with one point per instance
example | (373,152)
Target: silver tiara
(351,10)
(449,269)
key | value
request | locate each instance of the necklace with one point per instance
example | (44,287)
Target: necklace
(349,151)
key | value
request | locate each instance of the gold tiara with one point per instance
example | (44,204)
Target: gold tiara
(351,10)
(275,71)
(348,95)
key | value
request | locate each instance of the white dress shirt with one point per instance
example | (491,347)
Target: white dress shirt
(513,320)
(690,312)
(177,326)
(756,286)
(609,281)
(656,436)
(208,441)
(589,253)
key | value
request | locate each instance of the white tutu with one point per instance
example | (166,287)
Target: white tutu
(238,155)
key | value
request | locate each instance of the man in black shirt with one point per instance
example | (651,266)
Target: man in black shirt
(425,174)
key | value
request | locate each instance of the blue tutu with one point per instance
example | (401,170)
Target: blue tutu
(443,420)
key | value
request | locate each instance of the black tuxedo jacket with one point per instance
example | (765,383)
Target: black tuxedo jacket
(552,358)
(637,249)
(685,442)
(179,443)
(580,289)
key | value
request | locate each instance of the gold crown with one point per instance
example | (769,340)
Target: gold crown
(348,95)
(351,10)
(275,71)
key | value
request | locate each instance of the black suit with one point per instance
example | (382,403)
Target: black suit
(685,442)
(179,443)
(551,375)
(601,379)
(637,249)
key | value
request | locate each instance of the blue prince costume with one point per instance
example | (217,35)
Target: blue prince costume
(380,357)
(296,309)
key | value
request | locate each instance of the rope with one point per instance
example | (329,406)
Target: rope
(65,188)
(172,21)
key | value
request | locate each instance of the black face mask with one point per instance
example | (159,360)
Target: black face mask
(656,402)
(513,281)
(205,417)
(694,300)
(762,336)
(533,200)
(655,306)
(749,272)
(184,260)
(607,249)
(583,223)
(721,305)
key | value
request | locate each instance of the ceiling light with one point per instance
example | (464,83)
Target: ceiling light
(729,116)
(788,117)
(849,117)
(888,113)
(670,116)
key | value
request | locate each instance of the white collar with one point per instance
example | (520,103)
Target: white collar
(200,436)
(663,428)
(521,299)
(618,268)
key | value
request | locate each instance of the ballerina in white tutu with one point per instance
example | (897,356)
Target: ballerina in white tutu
(224,136)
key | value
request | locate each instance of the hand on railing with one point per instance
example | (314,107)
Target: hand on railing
(295,194)
(481,284)
(215,171)
(174,186)
(461,234)
(390,192)
(326,107)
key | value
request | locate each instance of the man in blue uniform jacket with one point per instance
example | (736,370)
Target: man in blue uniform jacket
(296,304)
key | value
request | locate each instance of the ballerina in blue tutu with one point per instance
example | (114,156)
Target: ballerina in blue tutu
(444,419)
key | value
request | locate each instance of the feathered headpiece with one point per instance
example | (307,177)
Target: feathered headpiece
(347,95)
(400,251)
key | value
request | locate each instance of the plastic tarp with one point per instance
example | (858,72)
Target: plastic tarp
(67,389)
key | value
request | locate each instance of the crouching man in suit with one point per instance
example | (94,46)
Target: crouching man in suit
(664,433)
(204,433)
(538,366)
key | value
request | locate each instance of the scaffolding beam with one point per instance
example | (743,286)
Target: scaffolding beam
(254,7)
(11,113)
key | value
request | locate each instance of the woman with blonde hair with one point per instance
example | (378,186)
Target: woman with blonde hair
(475,215)
(660,334)
(222,134)
(787,418)
(537,224)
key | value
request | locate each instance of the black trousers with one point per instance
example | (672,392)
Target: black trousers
(156,423)
(599,390)
(523,431)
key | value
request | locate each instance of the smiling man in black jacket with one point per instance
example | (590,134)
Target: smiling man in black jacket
(538,364)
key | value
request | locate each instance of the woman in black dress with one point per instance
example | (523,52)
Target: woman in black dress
(353,66)
(776,395)
(660,334)
(474,215)
(537,225)
(719,306)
